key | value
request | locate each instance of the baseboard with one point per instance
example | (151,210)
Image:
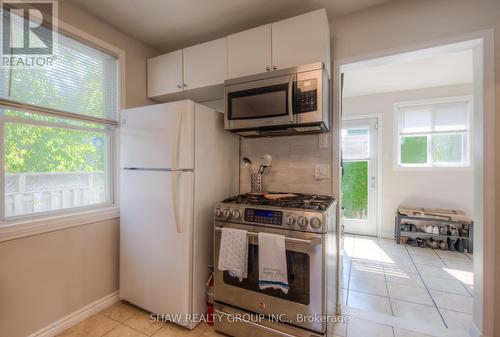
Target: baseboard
(387,235)
(77,316)
(474,330)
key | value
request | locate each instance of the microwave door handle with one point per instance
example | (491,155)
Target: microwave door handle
(290,99)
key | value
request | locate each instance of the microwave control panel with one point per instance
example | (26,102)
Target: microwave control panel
(305,96)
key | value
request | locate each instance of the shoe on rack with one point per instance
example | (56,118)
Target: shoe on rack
(453,230)
(413,227)
(443,245)
(464,232)
(405,227)
(431,243)
(435,230)
(443,230)
(412,242)
(459,246)
(421,243)
(465,242)
(451,244)
(428,229)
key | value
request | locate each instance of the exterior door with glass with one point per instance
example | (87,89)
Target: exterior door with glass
(360,176)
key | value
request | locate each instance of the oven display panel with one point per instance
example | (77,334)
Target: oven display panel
(263,216)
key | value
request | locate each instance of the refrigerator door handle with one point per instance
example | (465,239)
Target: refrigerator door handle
(175,174)
(175,190)
(177,140)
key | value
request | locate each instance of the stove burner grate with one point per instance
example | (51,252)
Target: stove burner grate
(304,201)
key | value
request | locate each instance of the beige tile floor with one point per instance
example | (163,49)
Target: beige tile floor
(125,320)
(390,289)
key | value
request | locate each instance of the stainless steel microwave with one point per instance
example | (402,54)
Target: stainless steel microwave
(280,102)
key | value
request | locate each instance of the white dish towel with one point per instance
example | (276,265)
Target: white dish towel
(233,254)
(272,262)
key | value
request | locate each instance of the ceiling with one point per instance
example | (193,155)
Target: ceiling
(410,73)
(173,24)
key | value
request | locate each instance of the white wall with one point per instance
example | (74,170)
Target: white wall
(437,188)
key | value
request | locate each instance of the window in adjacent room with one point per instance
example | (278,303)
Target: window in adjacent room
(434,135)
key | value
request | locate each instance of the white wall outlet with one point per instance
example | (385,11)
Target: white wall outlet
(321,171)
(323,140)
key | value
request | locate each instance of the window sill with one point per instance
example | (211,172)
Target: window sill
(17,229)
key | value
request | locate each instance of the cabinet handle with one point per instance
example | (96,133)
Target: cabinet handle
(179,86)
(268,68)
(274,67)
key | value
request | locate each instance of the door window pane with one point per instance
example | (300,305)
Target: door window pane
(355,190)
(50,168)
(355,143)
(413,150)
(448,148)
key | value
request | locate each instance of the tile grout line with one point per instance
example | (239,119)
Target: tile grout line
(349,277)
(425,285)
(446,265)
(386,286)
(387,289)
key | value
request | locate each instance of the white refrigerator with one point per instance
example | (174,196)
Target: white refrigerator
(177,162)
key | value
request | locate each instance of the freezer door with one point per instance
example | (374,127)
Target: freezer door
(155,252)
(158,136)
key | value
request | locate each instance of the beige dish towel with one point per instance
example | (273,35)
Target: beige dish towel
(233,254)
(272,262)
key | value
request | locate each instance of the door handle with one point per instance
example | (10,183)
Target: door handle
(309,242)
(175,192)
(290,101)
(175,174)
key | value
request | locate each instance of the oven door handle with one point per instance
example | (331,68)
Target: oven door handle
(310,242)
(258,326)
(290,99)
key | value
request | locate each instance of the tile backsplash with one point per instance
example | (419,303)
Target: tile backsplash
(293,164)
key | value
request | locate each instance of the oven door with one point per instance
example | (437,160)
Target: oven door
(306,279)
(261,103)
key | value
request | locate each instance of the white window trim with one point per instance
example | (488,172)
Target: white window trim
(39,223)
(425,167)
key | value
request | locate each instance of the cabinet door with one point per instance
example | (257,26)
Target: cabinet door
(249,52)
(301,40)
(165,74)
(205,64)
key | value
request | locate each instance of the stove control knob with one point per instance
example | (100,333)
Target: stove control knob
(218,212)
(315,223)
(302,222)
(227,213)
(290,220)
(237,214)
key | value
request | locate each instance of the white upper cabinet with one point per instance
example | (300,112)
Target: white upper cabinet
(198,72)
(249,52)
(301,40)
(165,74)
(205,64)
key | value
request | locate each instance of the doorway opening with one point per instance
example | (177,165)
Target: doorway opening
(360,175)
(411,124)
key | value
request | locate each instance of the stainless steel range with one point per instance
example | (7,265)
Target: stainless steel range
(308,224)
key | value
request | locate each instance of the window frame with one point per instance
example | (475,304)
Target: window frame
(42,222)
(397,120)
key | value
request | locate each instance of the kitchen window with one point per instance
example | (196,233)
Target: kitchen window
(435,134)
(58,124)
